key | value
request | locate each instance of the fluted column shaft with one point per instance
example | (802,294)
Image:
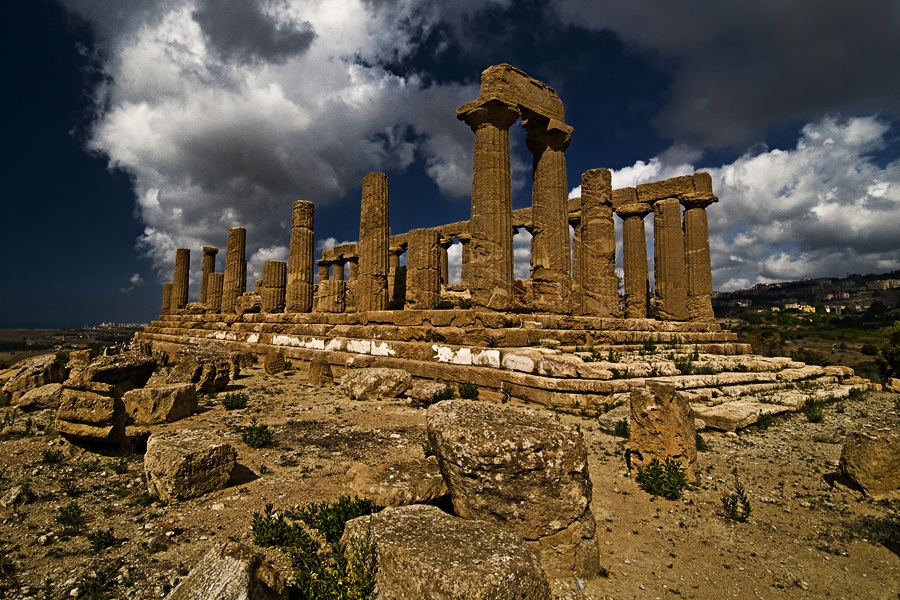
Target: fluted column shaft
(180,279)
(423,269)
(668,253)
(273,289)
(445,244)
(551,280)
(214,291)
(634,259)
(489,276)
(235,282)
(597,273)
(299,291)
(323,270)
(697,259)
(167,298)
(208,266)
(374,242)
(338,270)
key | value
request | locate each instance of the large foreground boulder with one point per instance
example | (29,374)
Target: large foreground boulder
(417,481)
(187,464)
(423,553)
(232,571)
(161,404)
(871,459)
(46,396)
(662,427)
(129,370)
(32,373)
(372,384)
(522,471)
(92,412)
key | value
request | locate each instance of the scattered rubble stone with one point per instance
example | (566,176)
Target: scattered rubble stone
(91,411)
(662,426)
(161,404)
(232,571)
(416,481)
(31,373)
(362,384)
(320,373)
(423,552)
(132,369)
(274,362)
(46,396)
(871,459)
(187,463)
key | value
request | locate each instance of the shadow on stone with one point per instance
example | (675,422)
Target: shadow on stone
(240,476)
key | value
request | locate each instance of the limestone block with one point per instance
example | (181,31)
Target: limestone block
(320,373)
(662,427)
(210,373)
(274,362)
(416,481)
(330,296)
(161,404)
(839,372)
(423,552)
(377,383)
(871,459)
(248,303)
(593,371)
(232,571)
(79,359)
(893,385)
(131,368)
(522,471)
(559,366)
(523,360)
(91,412)
(32,373)
(667,188)
(731,416)
(187,463)
(423,391)
(46,396)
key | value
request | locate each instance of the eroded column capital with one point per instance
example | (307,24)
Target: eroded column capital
(207,250)
(546,133)
(481,112)
(445,242)
(697,201)
(636,209)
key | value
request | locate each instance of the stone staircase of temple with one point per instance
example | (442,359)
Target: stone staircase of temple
(575,364)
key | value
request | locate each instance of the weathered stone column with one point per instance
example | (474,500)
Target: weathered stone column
(167,298)
(323,269)
(445,244)
(489,275)
(353,265)
(423,269)
(465,240)
(634,258)
(235,282)
(214,291)
(598,246)
(180,279)
(551,278)
(337,271)
(668,253)
(272,295)
(696,250)
(374,240)
(299,294)
(209,266)
(330,296)
(396,278)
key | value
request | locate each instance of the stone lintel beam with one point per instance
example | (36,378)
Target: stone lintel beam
(699,184)
(513,86)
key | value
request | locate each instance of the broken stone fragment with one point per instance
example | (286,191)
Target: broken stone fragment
(871,459)
(161,404)
(372,384)
(32,373)
(186,464)
(91,411)
(522,471)
(422,552)
(274,362)
(232,571)
(416,481)
(662,427)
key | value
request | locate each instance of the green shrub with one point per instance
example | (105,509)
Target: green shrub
(445,393)
(702,444)
(96,585)
(813,409)
(71,519)
(256,435)
(684,364)
(468,391)
(235,400)
(888,358)
(736,504)
(51,456)
(320,569)
(663,479)
(621,428)
(102,539)
(856,394)
(427,450)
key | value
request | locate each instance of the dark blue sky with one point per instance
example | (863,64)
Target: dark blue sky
(136,128)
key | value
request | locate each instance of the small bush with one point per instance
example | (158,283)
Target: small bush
(320,569)
(102,539)
(51,456)
(663,479)
(445,393)
(235,400)
(427,450)
(684,364)
(765,420)
(121,466)
(71,519)
(813,409)
(70,488)
(702,444)
(888,358)
(464,303)
(621,428)
(736,504)
(856,394)
(97,585)
(468,391)
(256,435)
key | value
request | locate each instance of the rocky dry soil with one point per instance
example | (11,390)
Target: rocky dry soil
(804,539)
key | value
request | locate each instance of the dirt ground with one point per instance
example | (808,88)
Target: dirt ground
(802,540)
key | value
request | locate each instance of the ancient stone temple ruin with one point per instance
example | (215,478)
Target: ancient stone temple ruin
(566,337)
